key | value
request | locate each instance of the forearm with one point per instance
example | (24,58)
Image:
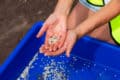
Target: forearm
(99,18)
(63,6)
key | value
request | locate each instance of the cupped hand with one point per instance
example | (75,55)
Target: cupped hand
(71,39)
(55,26)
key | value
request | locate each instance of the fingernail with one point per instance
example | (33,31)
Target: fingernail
(45,54)
(68,55)
(37,36)
(41,51)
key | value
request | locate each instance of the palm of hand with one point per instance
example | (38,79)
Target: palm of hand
(57,31)
(68,45)
(55,26)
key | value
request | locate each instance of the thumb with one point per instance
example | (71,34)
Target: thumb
(42,30)
(69,48)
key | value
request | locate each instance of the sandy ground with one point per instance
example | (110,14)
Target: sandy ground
(16,17)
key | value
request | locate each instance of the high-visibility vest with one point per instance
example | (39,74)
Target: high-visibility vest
(114,23)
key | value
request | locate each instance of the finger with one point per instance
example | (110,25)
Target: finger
(42,48)
(46,42)
(48,36)
(42,30)
(55,46)
(51,47)
(69,48)
(62,40)
(58,52)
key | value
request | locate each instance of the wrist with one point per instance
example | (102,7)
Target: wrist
(79,32)
(61,12)
(63,7)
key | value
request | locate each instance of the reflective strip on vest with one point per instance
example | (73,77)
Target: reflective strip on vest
(115,27)
(96,2)
(114,23)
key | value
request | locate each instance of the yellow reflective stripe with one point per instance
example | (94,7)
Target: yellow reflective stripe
(96,2)
(115,26)
(116,36)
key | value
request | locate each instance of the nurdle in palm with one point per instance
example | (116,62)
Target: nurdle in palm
(53,40)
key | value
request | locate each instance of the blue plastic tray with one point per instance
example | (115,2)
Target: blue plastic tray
(90,59)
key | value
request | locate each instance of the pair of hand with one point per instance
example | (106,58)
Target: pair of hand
(56,25)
